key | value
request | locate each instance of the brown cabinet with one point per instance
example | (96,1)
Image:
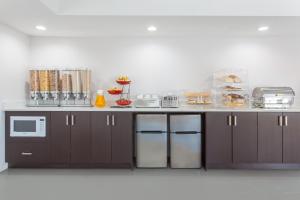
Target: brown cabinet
(218,138)
(269,137)
(279,138)
(60,137)
(122,138)
(112,137)
(70,137)
(26,151)
(231,138)
(291,137)
(244,133)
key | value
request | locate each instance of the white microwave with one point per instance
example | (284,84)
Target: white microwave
(27,126)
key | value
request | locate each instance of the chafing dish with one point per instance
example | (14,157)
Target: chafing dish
(273,97)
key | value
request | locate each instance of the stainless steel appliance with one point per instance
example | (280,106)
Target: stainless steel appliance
(151,140)
(273,97)
(170,101)
(185,141)
(27,126)
(148,101)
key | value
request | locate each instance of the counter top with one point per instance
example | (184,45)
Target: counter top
(22,107)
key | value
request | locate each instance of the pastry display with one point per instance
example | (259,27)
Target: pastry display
(231,88)
(198,98)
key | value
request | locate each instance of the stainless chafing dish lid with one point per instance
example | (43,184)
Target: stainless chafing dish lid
(272,91)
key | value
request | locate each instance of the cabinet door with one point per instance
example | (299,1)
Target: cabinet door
(291,138)
(60,137)
(80,138)
(269,138)
(244,133)
(101,137)
(218,139)
(122,137)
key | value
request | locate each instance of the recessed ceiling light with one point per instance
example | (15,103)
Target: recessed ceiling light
(41,28)
(263,28)
(152,28)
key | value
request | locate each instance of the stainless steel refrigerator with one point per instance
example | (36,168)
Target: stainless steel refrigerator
(151,140)
(185,136)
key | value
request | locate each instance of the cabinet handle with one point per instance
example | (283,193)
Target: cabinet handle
(234,120)
(72,120)
(285,120)
(67,120)
(26,154)
(107,120)
(229,119)
(280,121)
(113,120)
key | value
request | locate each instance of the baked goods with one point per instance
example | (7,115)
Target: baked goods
(232,79)
(232,88)
(233,99)
(198,98)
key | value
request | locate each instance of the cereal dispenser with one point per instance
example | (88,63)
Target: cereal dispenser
(44,90)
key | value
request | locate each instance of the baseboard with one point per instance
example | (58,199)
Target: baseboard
(4,167)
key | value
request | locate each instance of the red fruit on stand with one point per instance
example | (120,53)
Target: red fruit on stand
(123,102)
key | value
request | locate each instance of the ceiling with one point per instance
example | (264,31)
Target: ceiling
(131,17)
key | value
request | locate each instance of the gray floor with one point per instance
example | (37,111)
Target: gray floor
(42,184)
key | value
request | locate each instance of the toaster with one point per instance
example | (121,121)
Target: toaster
(170,101)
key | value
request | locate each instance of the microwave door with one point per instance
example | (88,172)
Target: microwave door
(27,126)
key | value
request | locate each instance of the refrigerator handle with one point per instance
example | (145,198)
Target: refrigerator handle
(152,132)
(185,132)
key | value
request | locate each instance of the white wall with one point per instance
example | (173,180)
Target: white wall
(158,64)
(14,49)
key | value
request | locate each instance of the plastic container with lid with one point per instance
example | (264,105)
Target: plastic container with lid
(100,99)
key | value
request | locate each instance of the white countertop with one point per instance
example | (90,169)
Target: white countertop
(22,107)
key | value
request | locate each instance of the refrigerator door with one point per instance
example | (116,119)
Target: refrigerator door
(186,150)
(185,141)
(151,140)
(180,123)
(151,122)
(151,149)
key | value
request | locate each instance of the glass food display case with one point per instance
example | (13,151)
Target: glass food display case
(231,88)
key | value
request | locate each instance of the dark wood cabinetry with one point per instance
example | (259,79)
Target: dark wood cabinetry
(24,151)
(101,137)
(244,133)
(70,137)
(105,139)
(291,138)
(60,137)
(231,138)
(279,138)
(122,138)
(269,138)
(79,139)
(112,137)
(80,149)
(218,134)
